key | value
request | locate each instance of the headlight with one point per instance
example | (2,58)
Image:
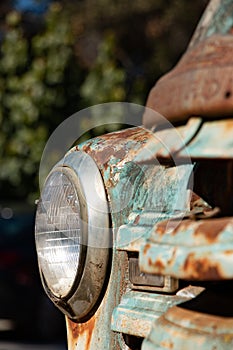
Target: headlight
(58,232)
(72,234)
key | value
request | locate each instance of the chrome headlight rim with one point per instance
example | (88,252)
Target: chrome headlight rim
(89,276)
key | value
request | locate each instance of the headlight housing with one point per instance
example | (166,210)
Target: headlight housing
(72,235)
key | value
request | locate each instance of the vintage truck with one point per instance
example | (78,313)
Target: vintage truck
(134,229)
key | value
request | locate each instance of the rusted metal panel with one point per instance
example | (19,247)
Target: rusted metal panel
(137,310)
(180,329)
(134,191)
(116,147)
(198,250)
(166,196)
(131,236)
(201,83)
(96,332)
(192,233)
(167,142)
(214,141)
(80,332)
(133,187)
(207,140)
(114,153)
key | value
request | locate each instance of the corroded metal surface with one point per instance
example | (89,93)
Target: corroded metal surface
(133,191)
(114,154)
(200,84)
(95,333)
(166,143)
(131,236)
(117,146)
(127,190)
(180,329)
(166,197)
(214,141)
(198,250)
(206,140)
(137,310)
(80,332)
(134,187)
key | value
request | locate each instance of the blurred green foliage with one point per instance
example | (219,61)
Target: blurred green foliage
(35,95)
(106,80)
(51,72)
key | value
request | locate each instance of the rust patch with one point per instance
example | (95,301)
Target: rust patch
(190,319)
(115,145)
(120,154)
(228,252)
(103,155)
(171,260)
(137,134)
(109,183)
(167,344)
(150,262)
(182,226)
(79,330)
(73,327)
(211,229)
(228,123)
(161,227)
(158,264)
(146,248)
(172,226)
(86,148)
(201,269)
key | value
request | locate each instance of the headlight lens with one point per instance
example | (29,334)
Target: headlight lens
(58,232)
(72,235)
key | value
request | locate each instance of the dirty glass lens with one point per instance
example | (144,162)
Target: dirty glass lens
(58,233)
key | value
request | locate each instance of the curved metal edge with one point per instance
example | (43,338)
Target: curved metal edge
(182,329)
